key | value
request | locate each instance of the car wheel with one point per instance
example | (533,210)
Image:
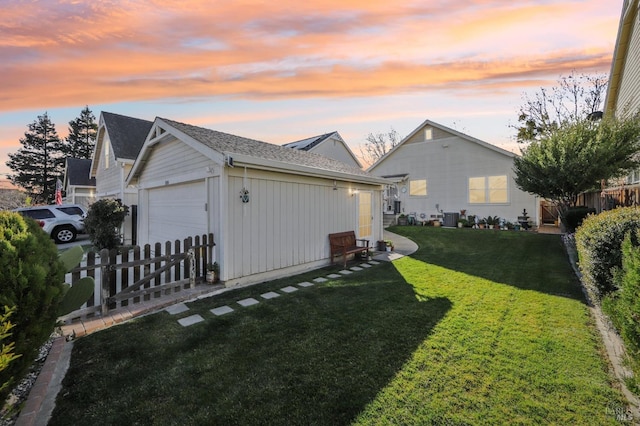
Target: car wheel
(64,234)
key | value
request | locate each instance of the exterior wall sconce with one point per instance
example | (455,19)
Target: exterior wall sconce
(244,195)
(335,185)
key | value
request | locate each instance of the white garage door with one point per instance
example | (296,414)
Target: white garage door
(177,212)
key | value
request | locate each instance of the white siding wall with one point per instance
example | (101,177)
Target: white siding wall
(286,222)
(447,163)
(335,149)
(108,181)
(172,158)
(629,92)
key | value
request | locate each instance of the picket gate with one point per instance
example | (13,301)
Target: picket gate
(134,275)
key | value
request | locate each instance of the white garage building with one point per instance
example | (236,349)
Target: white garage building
(270,208)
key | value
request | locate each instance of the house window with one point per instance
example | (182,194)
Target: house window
(428,134)
(488,190)
(106,155)
(418,188)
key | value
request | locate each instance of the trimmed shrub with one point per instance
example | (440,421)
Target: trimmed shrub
(574,217)
(623,305)
(599,245)
(103,222)
(31,277)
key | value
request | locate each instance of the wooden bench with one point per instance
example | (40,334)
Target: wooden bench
(345,243)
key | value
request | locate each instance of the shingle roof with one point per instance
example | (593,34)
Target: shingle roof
(78,172)
(230,144)
(127,134)
(307,144)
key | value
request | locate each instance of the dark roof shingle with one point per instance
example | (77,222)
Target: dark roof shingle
(127,134)
(78,172)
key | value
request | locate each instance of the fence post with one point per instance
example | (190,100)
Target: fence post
(192,268)
(104,280)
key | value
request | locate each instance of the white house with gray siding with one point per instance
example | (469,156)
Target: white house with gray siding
(118,142)
(438,170)
(270,208)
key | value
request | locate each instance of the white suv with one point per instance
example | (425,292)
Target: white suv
(63,222)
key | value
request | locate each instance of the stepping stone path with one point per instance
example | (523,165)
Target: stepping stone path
(221,310)
(270,295)
(250,301)
(193,319)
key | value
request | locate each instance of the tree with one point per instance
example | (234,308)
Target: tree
(82,136)
(103,222)
(576,97)
(38,163)
(576,157)
(377,145)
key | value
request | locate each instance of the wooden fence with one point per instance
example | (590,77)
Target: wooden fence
(131,276)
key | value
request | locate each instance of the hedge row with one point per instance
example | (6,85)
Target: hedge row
(599,244)
(623,305)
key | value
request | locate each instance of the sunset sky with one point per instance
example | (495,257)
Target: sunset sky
(280,71)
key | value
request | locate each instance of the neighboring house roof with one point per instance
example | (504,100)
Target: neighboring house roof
(444,129)
(310,143)
(126,134)
(307,144)
(7,185)
(77,173)
(620,54)
(257,153)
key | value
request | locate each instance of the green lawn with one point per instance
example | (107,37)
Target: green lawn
(477,327)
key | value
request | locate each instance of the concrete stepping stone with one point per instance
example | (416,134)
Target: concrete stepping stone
(333,276)
(356,269)
(177,309)
(346,272)
(187,321)
(365,265)
(288,289)
(249,301)
(321,280)
(270,295)
(222,310)
(374,262)
(305,284)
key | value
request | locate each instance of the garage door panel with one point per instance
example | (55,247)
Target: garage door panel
(177,212)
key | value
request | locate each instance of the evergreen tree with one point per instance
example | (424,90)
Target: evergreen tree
(38,164)
(82,136)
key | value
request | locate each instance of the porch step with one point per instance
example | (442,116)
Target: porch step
(388,220)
